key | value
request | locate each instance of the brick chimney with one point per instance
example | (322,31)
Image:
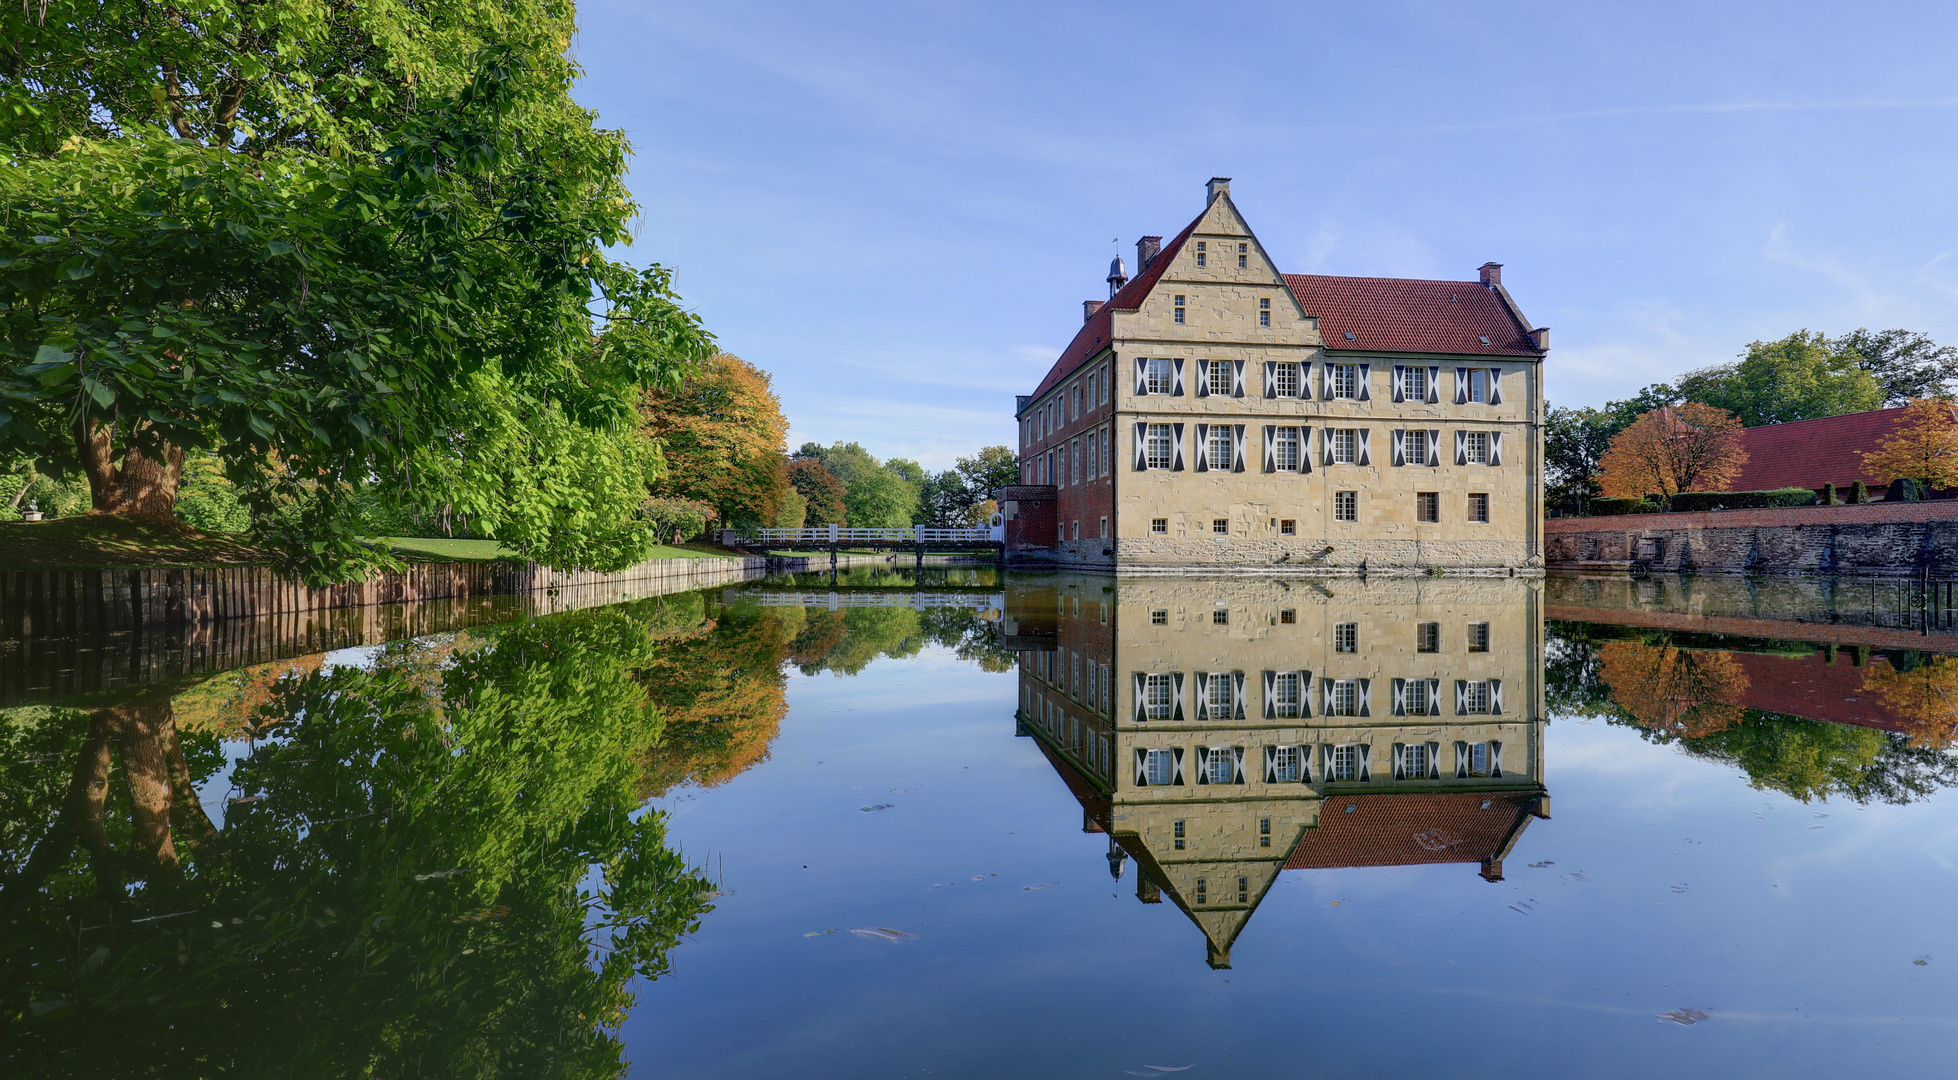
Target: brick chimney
(1218,185)
(1491,273)
(1088,309)
(1146,250)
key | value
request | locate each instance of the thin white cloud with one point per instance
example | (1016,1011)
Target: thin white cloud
(1718,108)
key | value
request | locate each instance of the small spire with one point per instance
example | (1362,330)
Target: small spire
(1118,276)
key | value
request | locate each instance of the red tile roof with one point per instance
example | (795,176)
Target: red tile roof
(1390,315)
(1810,453)
(1814,689)
(1406,315)
(1411,829)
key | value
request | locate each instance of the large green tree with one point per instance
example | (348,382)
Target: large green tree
(1906,364)
(318,239)
(1799,377)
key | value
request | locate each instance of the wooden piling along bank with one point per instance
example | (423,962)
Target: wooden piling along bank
(65,635)
(40,602)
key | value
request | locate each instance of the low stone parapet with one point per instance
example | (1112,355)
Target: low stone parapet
(1864,539)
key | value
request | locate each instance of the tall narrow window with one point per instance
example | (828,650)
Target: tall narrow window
(1159,453)
(1414,384)
(1414,446)
(1343,697)
(1264,310)
(1478,508)
(1346,506)
(1346,637)
(1427,506)
(1075,456)
(1287,767)
(1243,885)
(1478,388)
(1478,637)
(1159,701)
(1179,309)
(1476,698)
(1414,696)
(1286,380)
(1414,760)
(1221,378)
(1343,763)
(1203,255)
(1287,694)
(1285,449)
(1220,447)
(1243,256)
(1264,825)
(1159,767)
(1475,445)
(1345,445)
(1344,380)
(1177,827)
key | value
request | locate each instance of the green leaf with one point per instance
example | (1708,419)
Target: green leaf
(103,396)
(258,424)
(50,355)
(279,247)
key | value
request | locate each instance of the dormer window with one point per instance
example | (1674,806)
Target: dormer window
(1179,307)
(1243,256)
(1202,255)
(1264,310)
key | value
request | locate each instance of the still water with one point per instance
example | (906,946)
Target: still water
(941,825)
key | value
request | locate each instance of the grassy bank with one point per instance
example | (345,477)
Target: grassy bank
(94,541)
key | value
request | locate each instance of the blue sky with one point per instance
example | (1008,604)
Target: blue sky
(896,209)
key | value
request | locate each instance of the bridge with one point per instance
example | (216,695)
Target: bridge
(918,538)
(988,606)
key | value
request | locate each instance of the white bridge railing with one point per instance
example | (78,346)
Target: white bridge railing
(916,534)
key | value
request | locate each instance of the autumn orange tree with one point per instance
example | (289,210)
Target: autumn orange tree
(1924,448)
(724,436)
(1673,691)
(1690,447)
(819,488)
(1924,698)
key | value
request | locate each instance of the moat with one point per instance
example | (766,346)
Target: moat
(945,824)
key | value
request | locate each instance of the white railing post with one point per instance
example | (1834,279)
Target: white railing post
(832,532)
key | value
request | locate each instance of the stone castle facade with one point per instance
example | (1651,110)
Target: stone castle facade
(1216,413)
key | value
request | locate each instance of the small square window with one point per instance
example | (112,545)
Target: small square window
(1346,637)
(1220,526)
(1159,617)
(1427,506)
(1288,526)
(1478,506)
(1479,637)
(1159,526)
(1288,615)
(1427,637)
(1220,617)
(1346,506)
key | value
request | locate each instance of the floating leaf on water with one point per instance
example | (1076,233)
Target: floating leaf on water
(818,933)
(1170,1068)
(1037,888)
(882,933)
(879,806)
(1921,961)
(1683,1017)
(1575,875)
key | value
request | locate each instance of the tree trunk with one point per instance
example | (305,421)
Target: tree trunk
(142,482)
(80,820)
(144,726)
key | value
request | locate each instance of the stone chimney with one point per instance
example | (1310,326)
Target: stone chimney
(1146,250)
(1541,336)
(1491,274)
(1088,309)
(1218,185)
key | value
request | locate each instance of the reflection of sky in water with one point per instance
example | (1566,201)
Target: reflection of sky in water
(1669,885)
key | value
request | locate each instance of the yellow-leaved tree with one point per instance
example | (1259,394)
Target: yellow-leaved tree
(1690,447)
(1924,449)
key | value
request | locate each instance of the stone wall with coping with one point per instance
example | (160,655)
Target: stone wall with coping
(1871,539)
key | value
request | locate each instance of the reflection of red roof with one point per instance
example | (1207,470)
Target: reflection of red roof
(1811,688)
(1810,453)
(1412,829)
(1404,315)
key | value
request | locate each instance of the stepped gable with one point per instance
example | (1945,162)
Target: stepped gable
(1413,829)
(1099,329)
(1810,453)
(1408,315)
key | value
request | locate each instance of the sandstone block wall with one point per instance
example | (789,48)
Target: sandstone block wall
(1881,539)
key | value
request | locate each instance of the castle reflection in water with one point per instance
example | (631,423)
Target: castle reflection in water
(1223,730)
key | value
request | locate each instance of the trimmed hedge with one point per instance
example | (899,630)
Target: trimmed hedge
(1611,507)
(1743,500)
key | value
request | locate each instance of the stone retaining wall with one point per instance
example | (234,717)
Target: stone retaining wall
(1870,539)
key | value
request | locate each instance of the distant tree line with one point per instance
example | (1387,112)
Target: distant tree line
(845,484)
(1803,376)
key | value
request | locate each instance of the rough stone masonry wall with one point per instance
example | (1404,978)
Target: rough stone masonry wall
(1875,539)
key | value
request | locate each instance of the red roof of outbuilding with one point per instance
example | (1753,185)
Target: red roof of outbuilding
(1406,315)
(1810,453)
(1411,829)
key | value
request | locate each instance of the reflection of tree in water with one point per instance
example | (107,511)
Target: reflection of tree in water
(1922,692)
(719,682)
(433,866)
(1690,694)
(1806,759)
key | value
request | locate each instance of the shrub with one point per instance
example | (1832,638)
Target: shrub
(1859,492)
(1829,495)
(1742,500)
(1902,489)
(1609,507)
(676,520)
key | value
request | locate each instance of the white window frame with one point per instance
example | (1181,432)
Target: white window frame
(1346,506)
(1344,445)
(1288,765)
(1160,448)
(1286,453)
(1218,447)
(1159,763)
(1343,763)
(1343,382)
(1475,447)
(1289,692)
(1288,380)
(1159,700)
(1346,637)
(1410,440)
(1219,376)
